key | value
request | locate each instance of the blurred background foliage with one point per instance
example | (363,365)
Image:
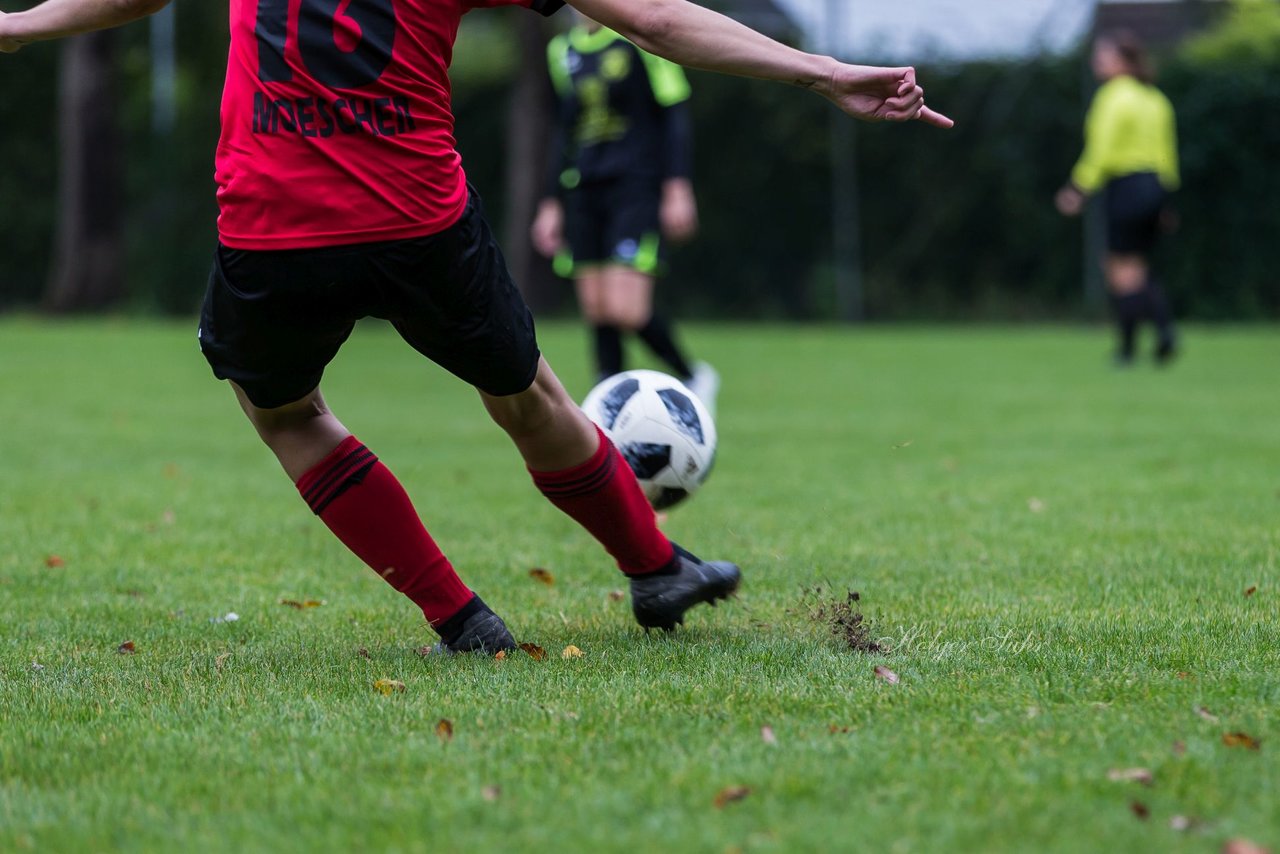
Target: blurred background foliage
(956,225)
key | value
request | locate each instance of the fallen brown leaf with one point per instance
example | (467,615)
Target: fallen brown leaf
(387,687)
(491,793)
(1141,810)
(127,648)
(571,651)
(1209,716)
(363,652)
(886,674)
(731,794)
(444,730)
(54,562)
(221,661)
(1252,590)
(840,730)
(1182,674)
(301,605)
(542,576)
(1243,846)
(1131,775)
(535,651)
(616,596)
(501,655)
(1241,739)
(766,735)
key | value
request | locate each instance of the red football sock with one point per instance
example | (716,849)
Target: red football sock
(602,495)
(364,505)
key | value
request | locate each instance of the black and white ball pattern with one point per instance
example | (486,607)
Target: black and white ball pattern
(661,428)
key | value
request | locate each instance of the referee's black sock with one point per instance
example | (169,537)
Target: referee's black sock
(657,335)
(1161,314)
(608,344)
(1129,309)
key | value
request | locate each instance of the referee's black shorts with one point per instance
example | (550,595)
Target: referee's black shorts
(272,321)
(1134,204)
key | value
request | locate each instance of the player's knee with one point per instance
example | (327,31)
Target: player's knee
(532,412)
(1126,275)
(280,426)
(523,414)
(632,317)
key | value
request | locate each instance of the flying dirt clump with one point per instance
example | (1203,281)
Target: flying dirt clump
(843,620)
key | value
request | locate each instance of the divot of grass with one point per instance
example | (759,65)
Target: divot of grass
(843,620)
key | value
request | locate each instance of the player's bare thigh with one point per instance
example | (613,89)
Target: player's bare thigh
(589,283)
(627,296)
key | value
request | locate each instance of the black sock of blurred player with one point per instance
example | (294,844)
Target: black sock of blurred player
(1129,310)
(1161,314)
(608,351)
(657,335)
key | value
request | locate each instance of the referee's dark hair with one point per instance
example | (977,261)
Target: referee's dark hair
(1133,51)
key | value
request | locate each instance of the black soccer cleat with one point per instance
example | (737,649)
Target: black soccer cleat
(481,631)
(660,600)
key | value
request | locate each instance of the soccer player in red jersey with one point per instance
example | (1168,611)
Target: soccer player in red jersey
(342,196)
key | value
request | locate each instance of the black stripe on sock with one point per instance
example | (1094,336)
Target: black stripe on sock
(355,477)
(584,485)
(338,472)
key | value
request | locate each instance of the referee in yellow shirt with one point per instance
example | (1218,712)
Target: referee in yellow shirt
(1131,156)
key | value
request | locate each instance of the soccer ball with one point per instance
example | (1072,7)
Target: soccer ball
(664,432)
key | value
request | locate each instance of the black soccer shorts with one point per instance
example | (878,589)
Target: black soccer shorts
(613,222)
(1134,205)
(272,321)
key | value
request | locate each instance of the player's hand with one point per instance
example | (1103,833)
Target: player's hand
(881,95)
(8,44)
(547,232)
(679,211)
(1069,201)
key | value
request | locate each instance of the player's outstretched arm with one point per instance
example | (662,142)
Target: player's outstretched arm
(55,19)
(696,37)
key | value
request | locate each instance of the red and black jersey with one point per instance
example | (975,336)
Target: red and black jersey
(336,121)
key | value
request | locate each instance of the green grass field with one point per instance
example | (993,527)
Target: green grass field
(1057,554)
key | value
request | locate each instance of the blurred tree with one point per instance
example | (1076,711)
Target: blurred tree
(88,264)
(528,133)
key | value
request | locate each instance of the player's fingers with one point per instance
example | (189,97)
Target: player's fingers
(902,109)
(907,81)
(933,117)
